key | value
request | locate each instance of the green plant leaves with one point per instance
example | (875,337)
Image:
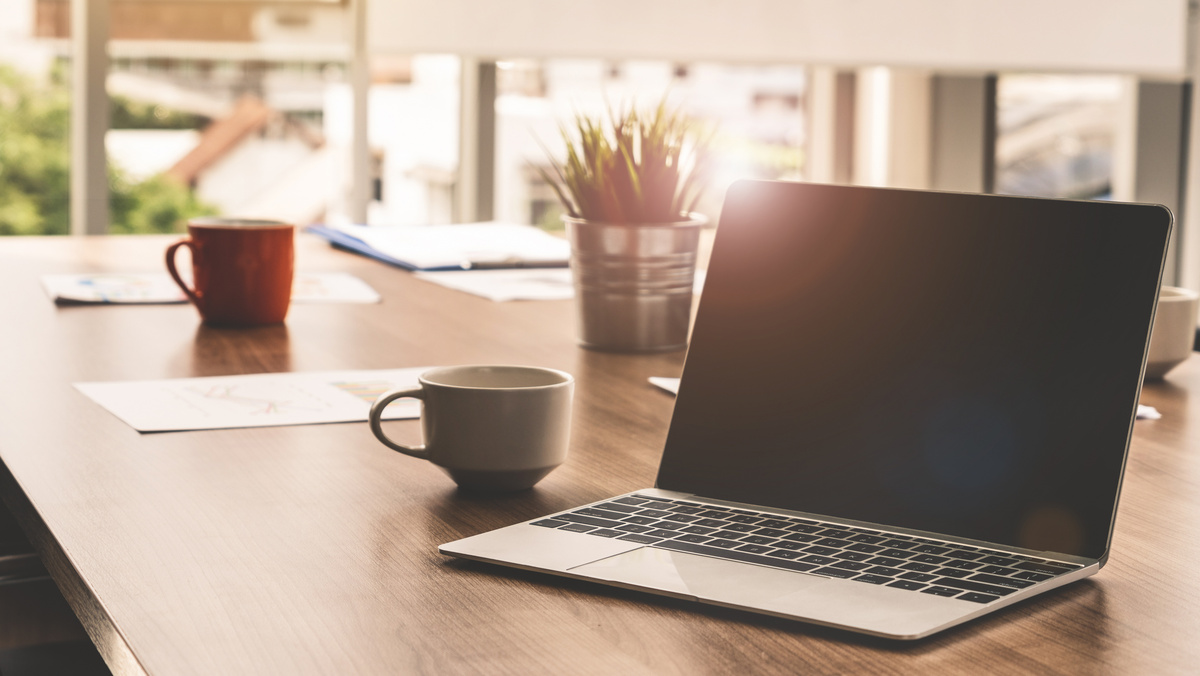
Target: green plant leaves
(639,167)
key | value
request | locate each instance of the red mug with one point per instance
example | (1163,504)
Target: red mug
(242,269)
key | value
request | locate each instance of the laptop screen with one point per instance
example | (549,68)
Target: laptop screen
(960,364)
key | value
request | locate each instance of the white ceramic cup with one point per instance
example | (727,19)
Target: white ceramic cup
(1174,330)
(497,428)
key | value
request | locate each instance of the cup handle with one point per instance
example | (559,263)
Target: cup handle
(375,418)
(190,293)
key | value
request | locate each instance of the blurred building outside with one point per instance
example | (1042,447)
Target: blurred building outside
(269,80)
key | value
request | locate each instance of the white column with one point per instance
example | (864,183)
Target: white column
(830,125)
(892,139)
(89,116)
(360,142)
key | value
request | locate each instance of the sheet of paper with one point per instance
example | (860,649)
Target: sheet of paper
(464,245)
(669,384)
(259,400)
(159,288)
(517,283)
(504,285)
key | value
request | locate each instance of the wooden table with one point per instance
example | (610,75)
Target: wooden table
(312,550)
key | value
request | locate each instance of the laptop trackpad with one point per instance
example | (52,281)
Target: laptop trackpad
(699,577)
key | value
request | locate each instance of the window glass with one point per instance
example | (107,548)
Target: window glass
(1056,135)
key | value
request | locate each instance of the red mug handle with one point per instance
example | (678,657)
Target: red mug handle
(191,293)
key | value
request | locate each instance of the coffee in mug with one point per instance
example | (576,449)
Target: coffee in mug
(497,428)
(241,269)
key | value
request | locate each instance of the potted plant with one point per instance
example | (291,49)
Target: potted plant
(628,186)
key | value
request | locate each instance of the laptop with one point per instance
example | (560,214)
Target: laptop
(900,410)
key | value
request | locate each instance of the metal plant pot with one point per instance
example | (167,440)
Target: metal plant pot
(633,283)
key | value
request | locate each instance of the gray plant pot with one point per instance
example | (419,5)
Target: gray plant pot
(633,283)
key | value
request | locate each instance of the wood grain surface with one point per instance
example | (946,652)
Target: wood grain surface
(313,549)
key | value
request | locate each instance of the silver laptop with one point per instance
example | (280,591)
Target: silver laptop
(900,410)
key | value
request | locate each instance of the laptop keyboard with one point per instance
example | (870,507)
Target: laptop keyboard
(869,556)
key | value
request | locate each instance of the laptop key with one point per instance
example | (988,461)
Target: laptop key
(805,528)
(918,577)
(634,528)
(784,554)
(971,585)
(607,533)
(550,523)
(851,565)
(740,527)
(754,549)
(728,534)
(748,557)
(693,538)
(997,570)
(743,518)
(897,553)
(928,558)
(709,523)
(863,547)
(835,572)
(788,544)
(885,570)
(919,567)
(978,598)
(696,530)
(774,523)
(668,525)
(801,537)
(770,532)
(823,551)
(874,579)
(819,560)
(666,506)
(660,533)
(907,584)
(640,539)
(885,561)
(632,501)
(868,539)
(900,544)
(941,591)
(952,572)
(963,565)
(1048,569)
(833,542)
(618,507)
(592,521)
(725,544)
(639,520)
(852,556)
(837,533)
(963,554)
(684,509)
(1030,575)
(758,540)
(578,527)
(654,513)
(1003,581)
(684,518)
(602,513)
(930,549)
(998,560)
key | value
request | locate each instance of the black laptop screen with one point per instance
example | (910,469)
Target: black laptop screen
(960,364)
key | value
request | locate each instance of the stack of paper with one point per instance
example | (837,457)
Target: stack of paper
(468,246)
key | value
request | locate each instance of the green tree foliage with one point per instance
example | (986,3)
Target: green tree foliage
(35,170)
